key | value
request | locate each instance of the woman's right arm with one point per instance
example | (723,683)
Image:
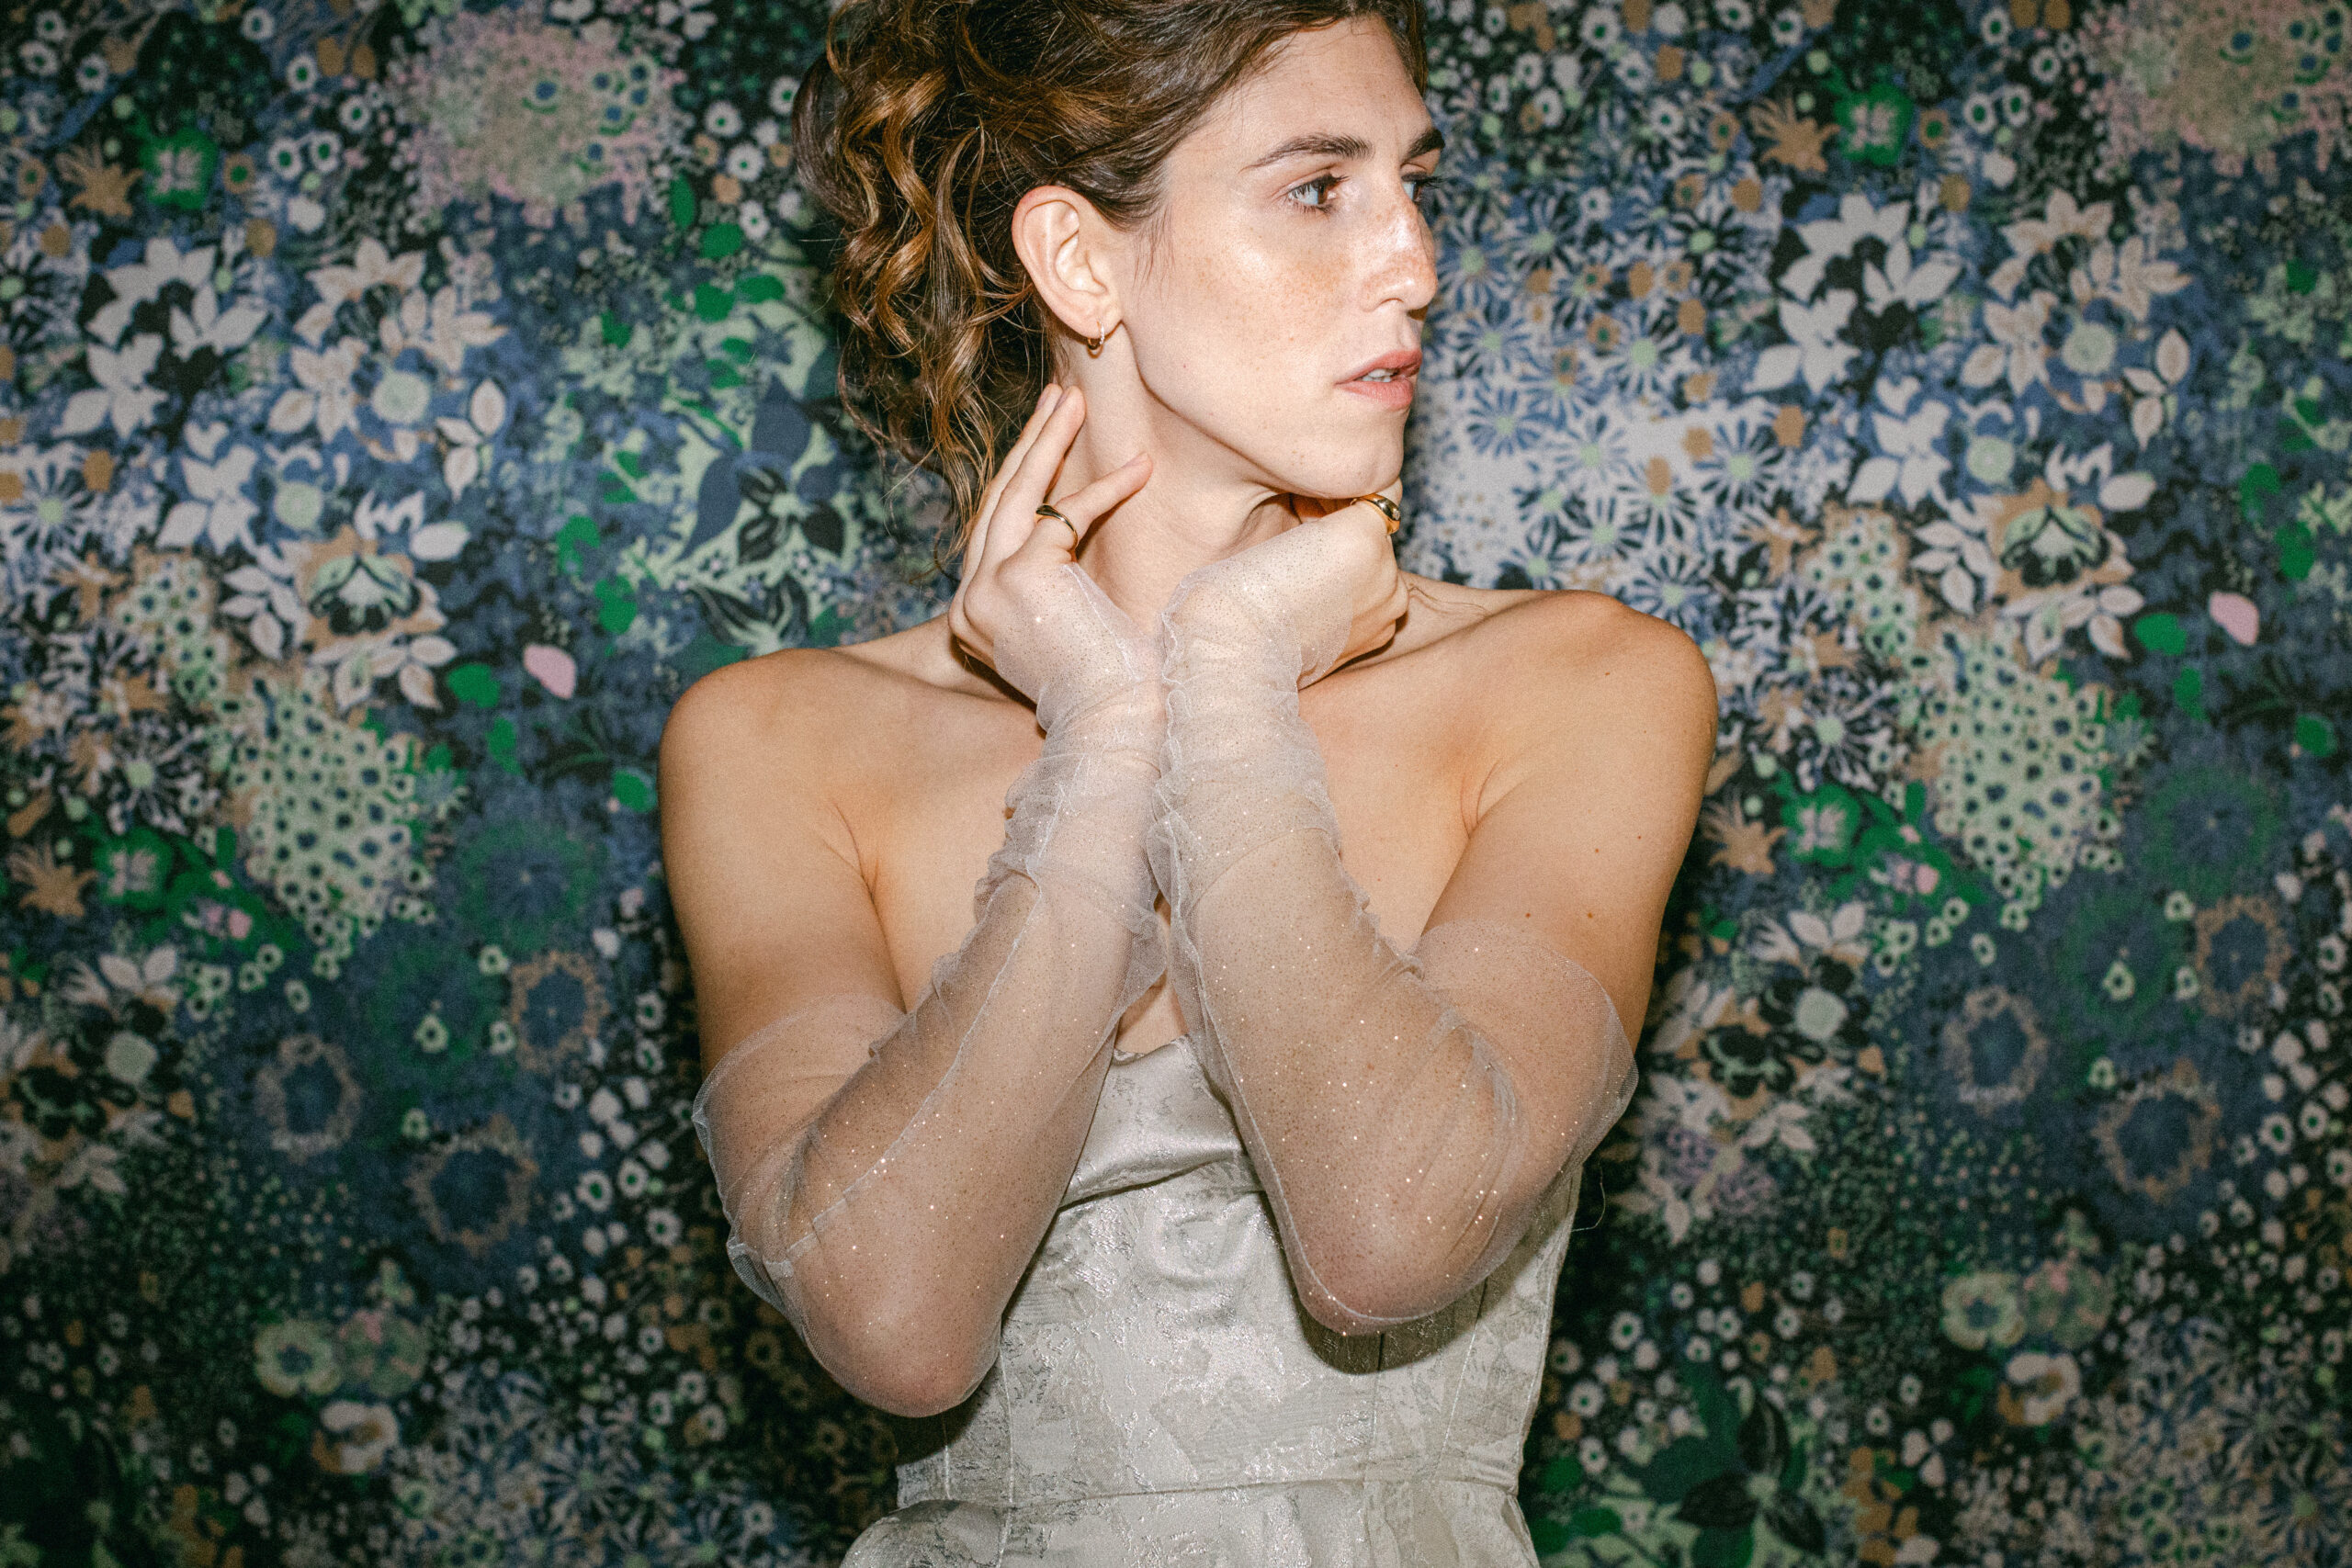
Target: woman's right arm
(887,1175)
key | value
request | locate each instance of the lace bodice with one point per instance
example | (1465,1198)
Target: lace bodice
(1160,1397)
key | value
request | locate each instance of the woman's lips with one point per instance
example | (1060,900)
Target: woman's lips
(1394,392)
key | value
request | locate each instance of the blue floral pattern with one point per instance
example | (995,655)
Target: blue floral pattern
(400,404)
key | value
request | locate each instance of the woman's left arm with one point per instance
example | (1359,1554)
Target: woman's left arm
(1407,1110)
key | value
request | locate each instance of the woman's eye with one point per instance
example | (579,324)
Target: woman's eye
(1315,193)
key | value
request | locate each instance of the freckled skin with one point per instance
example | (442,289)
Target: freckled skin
(1250,299)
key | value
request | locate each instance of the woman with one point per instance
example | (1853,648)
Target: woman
(1224,1232)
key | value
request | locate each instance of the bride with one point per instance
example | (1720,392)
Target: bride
(1157,1013)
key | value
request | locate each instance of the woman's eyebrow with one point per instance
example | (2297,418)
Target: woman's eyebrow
(1326,145)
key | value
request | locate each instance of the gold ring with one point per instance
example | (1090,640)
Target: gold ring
(1047,509)
(1387,508)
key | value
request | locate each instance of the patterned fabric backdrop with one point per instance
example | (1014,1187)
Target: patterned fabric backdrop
(404,401)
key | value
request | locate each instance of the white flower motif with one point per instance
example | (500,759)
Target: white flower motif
(267,605)
(370,266)
(1816,351)
(205,325)
(1901,282)
(219,511)
(2050,1384)
(141,281)
(2150,409)
(693,16)
(449,330)
(1958,559)
(355,1436)
(122,397)
(2126,275)
(2031,237)
(1827,239)
(2048,615)
(2172,356)
(325,396)
(359,662)
(2016,349)
(461,464)
(2117,493)
(1909,460)
(1839,936)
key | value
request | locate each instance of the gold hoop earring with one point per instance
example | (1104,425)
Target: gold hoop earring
(1094,343)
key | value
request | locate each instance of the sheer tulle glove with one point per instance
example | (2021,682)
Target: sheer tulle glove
(1097,685)
(890,1214)
(1407,1111)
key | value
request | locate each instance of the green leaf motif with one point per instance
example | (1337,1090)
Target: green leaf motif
(2161,634)
(1723,1549)
(476,684)
(2188,692)
(2260,481)
(1681,1467)
(499,743)
(578,534)
(1589,1522)
(721,241)
(2296,555)
(616,606)
(633,789)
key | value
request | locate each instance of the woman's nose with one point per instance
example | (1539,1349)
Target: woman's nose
(1408,255)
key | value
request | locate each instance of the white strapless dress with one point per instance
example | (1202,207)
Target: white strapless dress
(1161,1401)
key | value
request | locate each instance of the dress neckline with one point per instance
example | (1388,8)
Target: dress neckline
(1121,1058)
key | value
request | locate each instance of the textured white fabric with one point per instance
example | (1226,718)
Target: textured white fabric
(1158,1400)
(890,1214)
(1407,1111)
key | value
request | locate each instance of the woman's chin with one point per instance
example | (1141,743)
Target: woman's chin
(1342,476)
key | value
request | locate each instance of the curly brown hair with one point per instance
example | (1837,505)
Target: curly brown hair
(924,124)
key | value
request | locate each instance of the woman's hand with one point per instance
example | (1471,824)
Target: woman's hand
(1025,605)
(1327,587)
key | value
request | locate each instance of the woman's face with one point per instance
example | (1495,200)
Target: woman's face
(1273,311)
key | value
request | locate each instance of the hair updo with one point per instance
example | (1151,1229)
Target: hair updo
(925,123)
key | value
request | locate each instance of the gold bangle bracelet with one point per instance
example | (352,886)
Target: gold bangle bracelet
(1387,508)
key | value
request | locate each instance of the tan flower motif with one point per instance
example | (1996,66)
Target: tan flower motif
(1790,138)
(56,889)
(102,188)
(1746,846)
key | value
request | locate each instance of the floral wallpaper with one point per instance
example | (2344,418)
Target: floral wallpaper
(400,404)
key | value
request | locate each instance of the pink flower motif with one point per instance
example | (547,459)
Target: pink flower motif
(553,668)
(2237,615)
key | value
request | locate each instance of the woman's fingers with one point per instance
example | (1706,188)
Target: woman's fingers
(1016,507)
(1047,399)
(1084,508)
(976,548)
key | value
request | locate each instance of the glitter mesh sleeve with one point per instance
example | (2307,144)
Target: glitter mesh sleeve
(889,1215)
(1406,1110)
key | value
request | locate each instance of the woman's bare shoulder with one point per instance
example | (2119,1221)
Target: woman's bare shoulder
(783,706)
(1524,648)
(1504,625)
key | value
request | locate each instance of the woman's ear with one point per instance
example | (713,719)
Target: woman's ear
(1066,245)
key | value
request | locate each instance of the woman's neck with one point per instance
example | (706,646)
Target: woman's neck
(1198,505)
